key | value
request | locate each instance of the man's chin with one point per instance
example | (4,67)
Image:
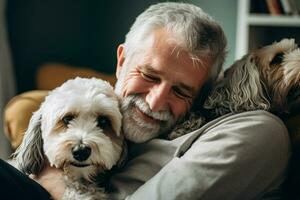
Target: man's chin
(139,131)
(139,127)
(139,136)
(137,139)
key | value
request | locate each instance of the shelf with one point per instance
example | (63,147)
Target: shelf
(273,20)
(258,29)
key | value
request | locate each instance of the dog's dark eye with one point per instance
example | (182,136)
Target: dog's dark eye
(277,59)
(66,119)
(103,122)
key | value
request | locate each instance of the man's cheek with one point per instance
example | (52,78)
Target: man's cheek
(135,86)
(129,86)
(181,109)
(177,112)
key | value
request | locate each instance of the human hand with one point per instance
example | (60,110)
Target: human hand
(52,180)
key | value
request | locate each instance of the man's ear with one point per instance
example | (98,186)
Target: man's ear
(120,59)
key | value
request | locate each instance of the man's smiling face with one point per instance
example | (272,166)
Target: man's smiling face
(158,85)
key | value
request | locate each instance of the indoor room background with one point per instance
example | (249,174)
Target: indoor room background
(80,33)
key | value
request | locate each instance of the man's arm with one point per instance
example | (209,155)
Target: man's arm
(242,157)
(52,180)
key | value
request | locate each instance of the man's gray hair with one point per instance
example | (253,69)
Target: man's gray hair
(194,31)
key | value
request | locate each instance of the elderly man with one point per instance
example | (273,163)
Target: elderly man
(171,55)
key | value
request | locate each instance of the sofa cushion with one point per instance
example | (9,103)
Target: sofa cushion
(18,112)
(52,75)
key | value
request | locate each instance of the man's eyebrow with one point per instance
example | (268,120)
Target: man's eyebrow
(188,88)
(150,69)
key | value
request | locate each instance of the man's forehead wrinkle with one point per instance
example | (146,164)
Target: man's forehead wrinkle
(197,62)
(176,50)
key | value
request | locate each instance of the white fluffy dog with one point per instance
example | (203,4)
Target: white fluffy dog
(76,129)
(265,79)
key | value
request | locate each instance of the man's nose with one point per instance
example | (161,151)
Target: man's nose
(157,97)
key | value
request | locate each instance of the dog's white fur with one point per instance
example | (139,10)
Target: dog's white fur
(265,79)
(82,113)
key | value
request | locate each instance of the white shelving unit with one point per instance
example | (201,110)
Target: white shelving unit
(255,29)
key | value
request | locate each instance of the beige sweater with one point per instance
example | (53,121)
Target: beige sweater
(240,156)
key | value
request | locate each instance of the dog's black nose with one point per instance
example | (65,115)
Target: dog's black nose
(81,152)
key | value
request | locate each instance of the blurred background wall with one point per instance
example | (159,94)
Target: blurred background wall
(84,33)
(7,80)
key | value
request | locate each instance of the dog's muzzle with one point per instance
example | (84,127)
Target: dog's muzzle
(81,152)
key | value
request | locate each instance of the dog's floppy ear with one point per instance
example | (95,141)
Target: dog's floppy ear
(30,155)
(241,89)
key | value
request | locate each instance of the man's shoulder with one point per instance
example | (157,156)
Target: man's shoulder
(240,139)
(257,118)
(251,130)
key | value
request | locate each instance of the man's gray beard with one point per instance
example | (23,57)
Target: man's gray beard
(136,129)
